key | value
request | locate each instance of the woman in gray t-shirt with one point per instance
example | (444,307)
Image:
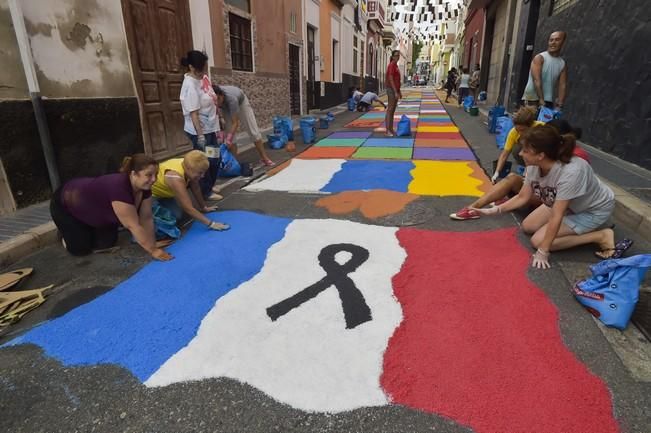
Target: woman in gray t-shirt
(576,204)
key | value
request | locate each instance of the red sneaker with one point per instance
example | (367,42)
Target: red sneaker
(465,214)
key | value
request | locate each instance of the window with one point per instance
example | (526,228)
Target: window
(241,48)
(245,5)
(355,54)
(292,22)
(558,6)
(335,46)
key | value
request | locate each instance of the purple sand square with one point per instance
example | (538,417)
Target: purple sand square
(443,154)
(351,134)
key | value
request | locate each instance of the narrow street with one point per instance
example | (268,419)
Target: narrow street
(343,299)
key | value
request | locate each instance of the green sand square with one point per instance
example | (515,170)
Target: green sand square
(341,142)
(383,153)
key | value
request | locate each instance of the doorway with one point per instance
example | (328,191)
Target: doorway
(312,101)
(294,80)
(158,34)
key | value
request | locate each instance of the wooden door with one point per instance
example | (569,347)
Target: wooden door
(158,33)
(294,80)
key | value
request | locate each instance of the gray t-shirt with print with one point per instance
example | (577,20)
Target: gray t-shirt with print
(574,181)
(233,97)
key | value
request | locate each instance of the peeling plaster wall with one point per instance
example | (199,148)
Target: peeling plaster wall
(79,48)
(13,84)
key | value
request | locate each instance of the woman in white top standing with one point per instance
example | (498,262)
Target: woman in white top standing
(464,85)
(575,203)
(201,123)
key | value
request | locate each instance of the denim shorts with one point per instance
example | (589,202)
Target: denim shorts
(586,222)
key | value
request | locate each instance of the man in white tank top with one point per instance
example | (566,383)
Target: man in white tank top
(548,76)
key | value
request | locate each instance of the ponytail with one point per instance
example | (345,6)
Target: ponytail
(566,148)
(196,59)
(137,162)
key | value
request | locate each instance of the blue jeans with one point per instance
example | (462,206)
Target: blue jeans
(210,177)
(170,204)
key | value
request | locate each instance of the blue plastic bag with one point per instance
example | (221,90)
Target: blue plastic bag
(228,165)
(330,116)
(276,141)
(164,222)
(612,292)
(547,114)
(284,125)
(468,102)
(503,126)
(404,127)
(352,105)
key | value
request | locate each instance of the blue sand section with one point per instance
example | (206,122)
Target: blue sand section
(146,319)
(367,175)
(389,142)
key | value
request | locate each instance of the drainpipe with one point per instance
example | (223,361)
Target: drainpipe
(34,92)
(507,56)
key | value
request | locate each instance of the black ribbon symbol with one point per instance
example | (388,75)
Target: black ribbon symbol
(356,311)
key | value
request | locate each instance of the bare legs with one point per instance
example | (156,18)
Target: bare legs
(391,109)
(536,224)
(510,184)
(259,146)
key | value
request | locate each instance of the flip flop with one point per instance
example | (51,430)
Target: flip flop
(12,278)
(618,251)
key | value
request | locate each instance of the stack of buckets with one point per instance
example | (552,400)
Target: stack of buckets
(308,129)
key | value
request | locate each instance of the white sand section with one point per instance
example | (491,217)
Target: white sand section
(300,176)
(306,358)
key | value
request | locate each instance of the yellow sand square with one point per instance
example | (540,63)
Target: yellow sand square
(445,178)
(438,129)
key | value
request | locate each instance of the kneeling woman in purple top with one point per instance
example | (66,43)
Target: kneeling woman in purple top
(88,211)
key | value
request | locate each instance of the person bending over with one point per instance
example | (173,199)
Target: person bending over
(237,110)
(174,178)
(366,102)
(88,211)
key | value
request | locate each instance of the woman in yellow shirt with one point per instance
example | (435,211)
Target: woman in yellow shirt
(174,178)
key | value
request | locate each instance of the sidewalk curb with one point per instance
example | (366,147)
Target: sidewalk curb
(27,243)
(631,211)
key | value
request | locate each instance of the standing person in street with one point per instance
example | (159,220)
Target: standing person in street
(464,85)
(393,91)
(548,76)
(201,124)
(170,190)
(451,82)
(367,101)
(575,203)
(89,211)
(237,111)
(474,82)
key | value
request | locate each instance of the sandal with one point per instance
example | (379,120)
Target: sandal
(267,162)
(618,251)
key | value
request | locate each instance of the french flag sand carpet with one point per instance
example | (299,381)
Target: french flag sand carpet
(331,316)
(435,178)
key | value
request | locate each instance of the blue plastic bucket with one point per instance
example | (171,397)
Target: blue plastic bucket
(324,122)
(308,129)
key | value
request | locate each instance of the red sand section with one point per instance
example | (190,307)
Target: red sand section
(485,350)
